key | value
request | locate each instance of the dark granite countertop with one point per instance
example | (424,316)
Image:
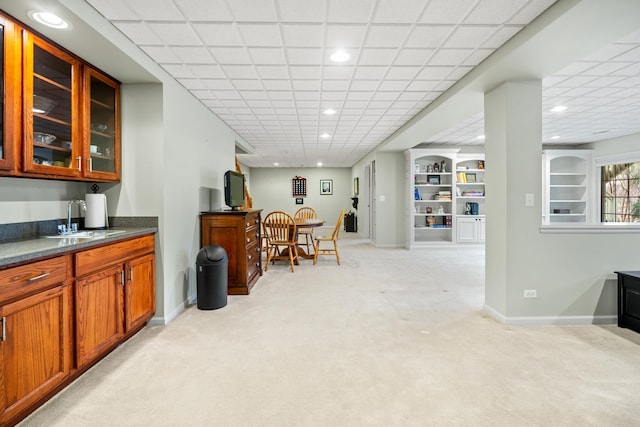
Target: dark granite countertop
(21,251)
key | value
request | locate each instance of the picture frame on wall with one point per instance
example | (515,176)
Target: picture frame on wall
(299,201)
(326,187)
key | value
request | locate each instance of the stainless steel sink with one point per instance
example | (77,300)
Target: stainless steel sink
(87,234)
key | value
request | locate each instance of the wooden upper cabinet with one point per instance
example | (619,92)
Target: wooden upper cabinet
(101,126)
(60,117)
(51,100)
(10,88)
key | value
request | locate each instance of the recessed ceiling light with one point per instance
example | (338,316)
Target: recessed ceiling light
(276,164)
(329,112)
(49,19)
(559,108)
(325,135)
(340,56)
(480,137)
(319,164)
(555,137)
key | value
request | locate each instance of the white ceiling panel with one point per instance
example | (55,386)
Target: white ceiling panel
(264,67)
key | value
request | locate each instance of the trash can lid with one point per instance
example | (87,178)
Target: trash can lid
(211,253)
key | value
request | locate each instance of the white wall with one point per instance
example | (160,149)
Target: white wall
(271,190)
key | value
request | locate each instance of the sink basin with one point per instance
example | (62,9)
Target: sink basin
(87,234)
(76,235)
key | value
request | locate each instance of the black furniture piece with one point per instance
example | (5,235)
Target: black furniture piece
(350,222)
(629,299)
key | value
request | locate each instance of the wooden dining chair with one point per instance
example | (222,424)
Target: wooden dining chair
(307,232)
(333,239)
(280,230)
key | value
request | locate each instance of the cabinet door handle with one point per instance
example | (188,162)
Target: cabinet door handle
(130,274)
(90,164)
(41,276)
(4,329)
(122,277)
(80,163)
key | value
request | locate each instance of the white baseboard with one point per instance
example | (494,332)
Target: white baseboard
(165,320)
(550,320)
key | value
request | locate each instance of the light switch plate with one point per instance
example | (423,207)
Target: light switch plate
(528,199)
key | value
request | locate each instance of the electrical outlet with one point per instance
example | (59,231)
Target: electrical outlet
(530,293)
(528,199)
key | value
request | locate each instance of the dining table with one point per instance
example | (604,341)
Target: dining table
(303,223)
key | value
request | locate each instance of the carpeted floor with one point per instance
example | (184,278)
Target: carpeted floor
(389,338)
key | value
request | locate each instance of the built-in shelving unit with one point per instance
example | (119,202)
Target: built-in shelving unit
(470,194)
(566,177)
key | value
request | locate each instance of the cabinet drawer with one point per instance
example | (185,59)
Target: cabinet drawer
(252,235)
(29,278)
(104,256)
(251,221)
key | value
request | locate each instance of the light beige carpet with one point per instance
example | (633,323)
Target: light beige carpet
(389,338)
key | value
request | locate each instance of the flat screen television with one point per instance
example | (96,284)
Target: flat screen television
(234,190)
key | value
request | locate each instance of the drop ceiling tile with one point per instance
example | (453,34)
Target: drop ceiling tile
(394,85)
(470,36)
(267,55)
(175,33)
(477,56)
(631,55)
(305,72)
(151,10)
(239,71)
(449,57)
(257,103)
(387,35)
(115,9)
(260,34)
(309,96)
(179,71)
(304,56)
(272,72)
(306,85)
(447,11)
(576,68)
(397,11)
(139,32)
(607,68)
(345,36)
(629,71)
(218,84)
(226,94)
(231,55)
(195,54)
(335,85)
(203,94)
(206,71)
(218,34)
(500,37)
(204,10)
(494,11)
(301,11)
(413,56)
(276,85)
(162,54)
(332,95)
(422,85)
(530,11)
(370,56)
(385,96)
(252,10)
(303,35)
(250,84)
(281,95)
(337,72)
(435,72)
(364,85)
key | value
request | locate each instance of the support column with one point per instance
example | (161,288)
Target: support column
(513,153)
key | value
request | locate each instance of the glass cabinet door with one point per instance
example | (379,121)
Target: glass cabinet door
(102,125)
(10,91)
(51,93)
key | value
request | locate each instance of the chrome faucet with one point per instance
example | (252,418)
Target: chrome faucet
(83,208)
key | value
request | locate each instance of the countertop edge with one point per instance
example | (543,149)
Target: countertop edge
(25,251)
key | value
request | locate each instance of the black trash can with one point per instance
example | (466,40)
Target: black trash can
(212,267)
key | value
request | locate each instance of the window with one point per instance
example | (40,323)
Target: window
(620,192)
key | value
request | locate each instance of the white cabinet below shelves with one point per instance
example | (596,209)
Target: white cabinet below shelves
(470,229)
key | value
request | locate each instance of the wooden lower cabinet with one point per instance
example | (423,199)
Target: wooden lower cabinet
(37,343)
(238,232)
(115,295)
(112,298)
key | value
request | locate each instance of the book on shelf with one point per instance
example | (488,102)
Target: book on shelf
(461,178)
(443,195)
